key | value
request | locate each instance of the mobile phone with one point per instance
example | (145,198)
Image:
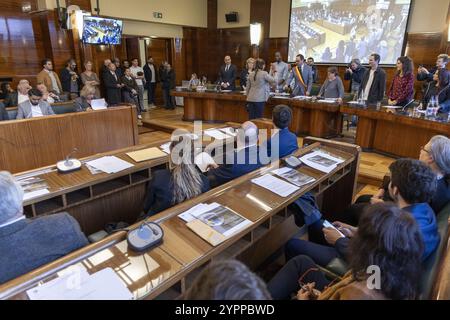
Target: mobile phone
(327,224)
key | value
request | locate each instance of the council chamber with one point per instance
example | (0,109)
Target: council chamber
(224,150)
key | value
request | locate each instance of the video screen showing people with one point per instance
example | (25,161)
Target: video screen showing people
(102,31)
(336,31)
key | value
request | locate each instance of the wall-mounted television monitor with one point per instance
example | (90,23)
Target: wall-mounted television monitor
(102,31)
(336,31)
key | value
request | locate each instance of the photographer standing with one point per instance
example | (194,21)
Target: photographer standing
(355,73)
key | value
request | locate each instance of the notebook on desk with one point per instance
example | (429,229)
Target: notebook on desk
(146,154)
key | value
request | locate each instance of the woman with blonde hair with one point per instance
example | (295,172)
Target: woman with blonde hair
(89,77)
(249,67)
(183,181)
(83,102)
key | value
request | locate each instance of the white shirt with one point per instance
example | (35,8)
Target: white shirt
(368,85)
(134,71)
(54,82)
(22,98)
(12,222)
(152,68)
(36,111)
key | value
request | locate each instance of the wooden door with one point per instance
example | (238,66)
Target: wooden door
(161,50)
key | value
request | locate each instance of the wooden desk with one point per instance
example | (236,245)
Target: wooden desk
(309,118)
(34,143)
(393,134)
(168,271)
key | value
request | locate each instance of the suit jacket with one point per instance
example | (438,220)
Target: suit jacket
(159,193)
(28,244)
(287,143)
(66,79)
(259,90)
(129,84)
(239,163)
(81,104)
(442,195)
(12,99)
(24,111)
(228,76)
(3,112)
(148,74)
(168,79)
(378,88)
(112,92)
(307,74)
(44,77)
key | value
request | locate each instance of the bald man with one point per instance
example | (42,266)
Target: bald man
(227,75)
(244,159)
(19,96)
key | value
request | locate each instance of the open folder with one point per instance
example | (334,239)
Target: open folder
(146,154)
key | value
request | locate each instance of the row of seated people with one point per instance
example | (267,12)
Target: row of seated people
(413,185)
(36,102)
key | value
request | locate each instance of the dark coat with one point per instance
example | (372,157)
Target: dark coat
(378,88)
(148,74)
(168,79)
(112,92)
(11,100)
(228,76)
(66,79)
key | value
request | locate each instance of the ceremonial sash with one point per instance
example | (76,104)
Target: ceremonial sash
(300,77)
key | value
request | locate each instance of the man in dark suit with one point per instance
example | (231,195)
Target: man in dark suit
(424,75)
(113,85)
(302,75)
(227,75)
(241,161)
(373,85)
(70,80)
(152,78)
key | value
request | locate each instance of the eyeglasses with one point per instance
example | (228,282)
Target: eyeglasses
(422,148)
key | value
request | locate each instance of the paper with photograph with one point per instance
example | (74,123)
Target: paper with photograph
(321,161)
(278,186)
(294,177)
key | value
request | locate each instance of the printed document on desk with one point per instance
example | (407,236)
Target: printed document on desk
(99,104)
(79,285)
(321,161)
(217,134)
(110,164)
(293,176)
(277,186)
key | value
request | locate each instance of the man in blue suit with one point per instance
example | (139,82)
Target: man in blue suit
(244,159)
(303,76)
(283,140)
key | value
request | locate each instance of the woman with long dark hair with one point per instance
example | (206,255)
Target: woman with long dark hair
(402,88)
(384,259)
(440,89)
(258,89)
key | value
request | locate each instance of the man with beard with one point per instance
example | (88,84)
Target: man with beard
(35,107)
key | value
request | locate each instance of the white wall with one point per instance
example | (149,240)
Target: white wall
(193,13)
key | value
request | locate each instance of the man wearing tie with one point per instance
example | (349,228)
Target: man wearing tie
(227,75)
(303,76)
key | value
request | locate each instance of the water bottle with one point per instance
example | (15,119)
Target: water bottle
(430,107)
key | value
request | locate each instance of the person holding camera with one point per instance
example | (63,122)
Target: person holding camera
(355,73)
(130,90)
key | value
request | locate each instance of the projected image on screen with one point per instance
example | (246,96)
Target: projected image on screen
(102,31)
(336,31)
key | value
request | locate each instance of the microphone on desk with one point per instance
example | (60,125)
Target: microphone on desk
(69,164)
(406,106)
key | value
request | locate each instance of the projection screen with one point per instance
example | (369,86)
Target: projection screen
(336,31)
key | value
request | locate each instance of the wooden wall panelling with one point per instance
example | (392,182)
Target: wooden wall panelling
(34,143)
(83,4)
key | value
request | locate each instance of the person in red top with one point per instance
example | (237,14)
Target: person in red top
(402,89)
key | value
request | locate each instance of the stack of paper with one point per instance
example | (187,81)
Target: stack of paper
(33,187)
(166,147)
(294,177)
(146,154)
(110,164)
(278,186)
(229,131)
(203,160)
(214,222)
(321,161)
(98,104)
(79,285)
(217,134)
